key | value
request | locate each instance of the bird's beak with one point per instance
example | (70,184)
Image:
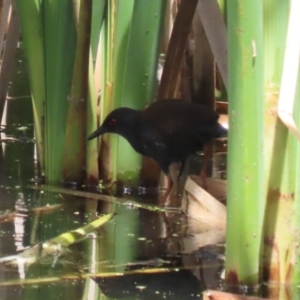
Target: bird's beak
(96,133)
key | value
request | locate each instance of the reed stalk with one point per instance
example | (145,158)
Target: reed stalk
(59,35)
(245,162)
(107,41)
(94,93)
(32,32)
(8,59)
(139,75)
(281,226)
(75,143)
(176,47)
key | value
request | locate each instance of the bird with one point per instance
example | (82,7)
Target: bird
(168,131)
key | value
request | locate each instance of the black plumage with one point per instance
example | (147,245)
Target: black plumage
(167,131)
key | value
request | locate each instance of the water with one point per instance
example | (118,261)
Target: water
(61,243)
(147,244)
(49,247)
(53,245)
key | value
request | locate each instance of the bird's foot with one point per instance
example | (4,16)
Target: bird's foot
(171,198)
(164,197)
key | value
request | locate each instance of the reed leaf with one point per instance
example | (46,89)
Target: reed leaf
(98,11)
(295,276)
(31,23)
(139,77)
(60,34)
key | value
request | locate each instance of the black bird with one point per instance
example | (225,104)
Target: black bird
(167,131)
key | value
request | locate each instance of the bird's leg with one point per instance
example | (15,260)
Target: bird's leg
(172,195)
(169,184)
(207,151)
(177,179)
(181,169)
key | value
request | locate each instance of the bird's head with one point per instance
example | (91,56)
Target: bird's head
(121,121)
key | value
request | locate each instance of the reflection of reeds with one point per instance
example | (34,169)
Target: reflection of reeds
(72,277)
(10,216)
(100,197)
(57,245)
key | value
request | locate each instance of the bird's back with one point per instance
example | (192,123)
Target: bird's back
(173,129)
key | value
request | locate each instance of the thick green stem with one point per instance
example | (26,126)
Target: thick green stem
(31,23)
(60,34)
(245,162)
(138,84)
(281,232)
(75,147)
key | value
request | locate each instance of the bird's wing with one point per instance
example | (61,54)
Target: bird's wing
(151,138)
(177,131)
(154,146)
(182,119)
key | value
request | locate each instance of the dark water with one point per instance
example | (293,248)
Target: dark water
(140,253)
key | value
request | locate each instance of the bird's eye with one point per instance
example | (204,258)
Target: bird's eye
(112,122)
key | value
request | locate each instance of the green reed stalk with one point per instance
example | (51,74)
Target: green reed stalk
(31,23)
(281,233)
(139,75)
(60,46)
(245,160)
(75,143)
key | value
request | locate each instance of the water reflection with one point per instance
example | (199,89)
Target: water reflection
(52,243)
(181,284)
(140,242)
(51,248)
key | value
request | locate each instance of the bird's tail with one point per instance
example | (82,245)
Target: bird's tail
(221,131)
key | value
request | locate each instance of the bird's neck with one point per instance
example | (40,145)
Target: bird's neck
(133,137)
(131,129)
